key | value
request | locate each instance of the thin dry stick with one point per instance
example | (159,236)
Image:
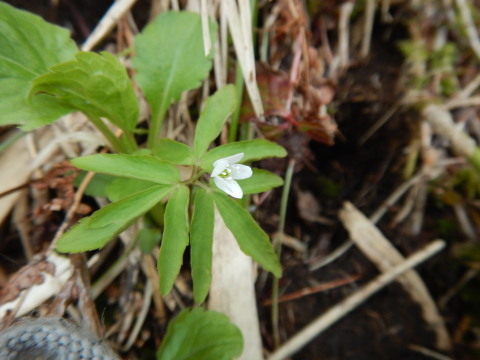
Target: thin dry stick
(207,41)
(147,299)
(112,272)
(22,225)
(384,255)
(428,353)
(378,124)
(150,271)
(459,103)
(469,275)
(470,28)
(76,202)
(367,27)
(386,17)
(344,33)
(351,302)
(244,49)
(374,218)
(469,88)
(108,22)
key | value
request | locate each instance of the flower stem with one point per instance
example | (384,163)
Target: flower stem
(278,249)
(232,131)
(156,125)
(116,144)
(130,141)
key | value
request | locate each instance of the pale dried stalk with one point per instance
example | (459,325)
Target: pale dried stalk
(207,41)
(443,124)
(22,223)
(147,299)
(428,352)
(367,27)
(351,302)
(460,102)
(469,89)
(344,33)
(150,270)
(470,27)
(232,291)
(385,256)
(243,43)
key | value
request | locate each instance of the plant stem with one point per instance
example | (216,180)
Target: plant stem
(232,133)
(156,125)
(278,248)
(116,144)
(130,141)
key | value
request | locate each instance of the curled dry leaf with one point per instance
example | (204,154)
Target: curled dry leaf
(33,284)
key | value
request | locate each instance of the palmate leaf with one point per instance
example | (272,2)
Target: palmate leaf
(253,149)
(218,108)
(29,46)
(252,240)
(173,151)
(95,231)
(142,167)
(97,85)
(201,335)
(261,180)
(175,239)
(169,59)
(201,240)
(121,188)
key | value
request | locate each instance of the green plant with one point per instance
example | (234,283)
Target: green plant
(46,77)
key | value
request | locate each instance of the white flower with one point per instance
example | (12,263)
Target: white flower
(226,171)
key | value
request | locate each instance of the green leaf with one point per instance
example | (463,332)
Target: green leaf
(173,151)
(148,238)
(95,231)
(175,239)
(261,180)
(218,108)
(142,167)
(169,59)
(253,149)
(201,335)
(201,240)
(252,240)
(29,46)
(121,188)
(98,185)
(97,85)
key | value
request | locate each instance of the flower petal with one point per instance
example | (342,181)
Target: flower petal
(233,159)
(229,186)
(240,172)
(219,166)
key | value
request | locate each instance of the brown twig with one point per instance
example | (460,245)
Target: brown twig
(314,289)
